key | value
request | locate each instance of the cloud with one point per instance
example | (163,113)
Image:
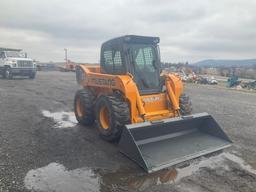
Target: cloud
(189,30)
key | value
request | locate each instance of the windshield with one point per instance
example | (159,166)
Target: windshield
(14,54)
(145,66)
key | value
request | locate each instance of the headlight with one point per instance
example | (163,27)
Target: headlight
(11,62)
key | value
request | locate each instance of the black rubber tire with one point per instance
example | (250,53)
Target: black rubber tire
(185,105)
(7,70)
(118,114)
(87,100)
(32,76)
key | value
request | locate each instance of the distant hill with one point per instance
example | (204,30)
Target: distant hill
(226,63)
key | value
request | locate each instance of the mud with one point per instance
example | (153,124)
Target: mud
(43,149)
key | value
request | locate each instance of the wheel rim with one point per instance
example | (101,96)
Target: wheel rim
(104,117)
(79,110)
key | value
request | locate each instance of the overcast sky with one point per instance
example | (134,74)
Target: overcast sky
(188,30)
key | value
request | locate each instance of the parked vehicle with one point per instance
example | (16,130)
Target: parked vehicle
(69,66)
(212,81)
(207,80)
(233,81)
(14,63)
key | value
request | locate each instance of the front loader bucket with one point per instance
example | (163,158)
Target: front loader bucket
(158,145)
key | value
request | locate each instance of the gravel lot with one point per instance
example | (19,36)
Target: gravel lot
(42,148)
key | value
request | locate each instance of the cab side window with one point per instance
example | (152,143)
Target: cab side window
(118,65)
(108,61)
(112,62)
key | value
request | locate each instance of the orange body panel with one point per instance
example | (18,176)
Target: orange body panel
(155,102)
(142,107)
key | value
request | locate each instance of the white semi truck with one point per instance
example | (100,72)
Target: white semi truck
(14,63)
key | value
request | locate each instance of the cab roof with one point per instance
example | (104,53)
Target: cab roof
(132,39)
(9,49)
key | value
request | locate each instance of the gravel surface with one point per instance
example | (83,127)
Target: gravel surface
(43,149)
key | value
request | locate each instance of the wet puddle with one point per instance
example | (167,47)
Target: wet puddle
(174,175)
(55,177)
(62,119)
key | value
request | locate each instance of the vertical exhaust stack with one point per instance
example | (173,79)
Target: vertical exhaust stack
(158,145)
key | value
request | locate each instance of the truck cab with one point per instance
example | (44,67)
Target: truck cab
(15,63)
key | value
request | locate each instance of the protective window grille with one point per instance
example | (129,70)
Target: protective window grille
(113,61)
(139,58)
(117,59)
(108,58)
(144,57)
(148,55)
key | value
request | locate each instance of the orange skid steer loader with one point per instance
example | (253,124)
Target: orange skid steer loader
(148,113)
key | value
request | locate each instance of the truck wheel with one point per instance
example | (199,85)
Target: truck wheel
(83,107)
(185,105)
(112,113)
(7,73)
(32,76)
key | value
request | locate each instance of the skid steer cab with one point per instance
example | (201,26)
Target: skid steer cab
(146,112)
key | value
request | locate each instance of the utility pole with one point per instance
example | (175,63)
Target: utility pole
(66,55)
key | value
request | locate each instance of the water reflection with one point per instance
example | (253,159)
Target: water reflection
(56,178)
(157,178)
